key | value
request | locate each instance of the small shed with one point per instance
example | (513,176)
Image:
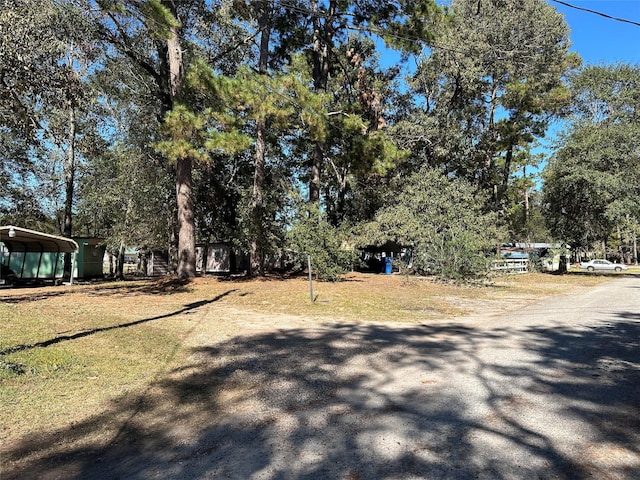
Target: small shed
(214,258)
(33,255)
(158,263)
(90,258)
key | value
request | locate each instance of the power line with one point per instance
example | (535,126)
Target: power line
(617,19)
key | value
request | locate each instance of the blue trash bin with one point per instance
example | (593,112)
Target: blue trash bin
(388,265)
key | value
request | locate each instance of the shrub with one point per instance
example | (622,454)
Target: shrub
(442,221)
(312,235)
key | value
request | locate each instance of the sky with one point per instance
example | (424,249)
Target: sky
(601,40)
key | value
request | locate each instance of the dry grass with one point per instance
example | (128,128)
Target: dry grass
(67,353)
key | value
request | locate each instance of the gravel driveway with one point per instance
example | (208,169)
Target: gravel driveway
(550,391)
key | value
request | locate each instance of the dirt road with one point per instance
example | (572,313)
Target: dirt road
(551,391)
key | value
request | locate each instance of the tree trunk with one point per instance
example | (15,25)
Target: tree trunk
(120,262)
(337,213)
(69,180)
(506,171)
(316,171)
(186,225)
(526,196)
(486,175)
(257,242)
(173,74)
(620,245)
(321,59)
(172,227)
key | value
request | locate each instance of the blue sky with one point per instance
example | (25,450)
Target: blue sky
(600,40)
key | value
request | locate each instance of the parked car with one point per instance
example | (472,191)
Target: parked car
(7,276)
(601,264)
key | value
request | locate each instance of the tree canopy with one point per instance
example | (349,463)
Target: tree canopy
(441,221)
(592,181)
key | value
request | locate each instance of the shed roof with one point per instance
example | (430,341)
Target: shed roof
(19,239)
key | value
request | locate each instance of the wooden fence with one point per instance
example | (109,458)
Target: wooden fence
(511,265)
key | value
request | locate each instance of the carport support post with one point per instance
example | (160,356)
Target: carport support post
(73,267)
(310,279)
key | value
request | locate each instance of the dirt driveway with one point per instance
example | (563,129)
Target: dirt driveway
(549,391)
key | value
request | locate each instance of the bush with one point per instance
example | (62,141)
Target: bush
(442,221)
(312,235)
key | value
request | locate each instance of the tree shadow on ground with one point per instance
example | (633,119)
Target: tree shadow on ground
(86,333)
(139,286)
(370,402)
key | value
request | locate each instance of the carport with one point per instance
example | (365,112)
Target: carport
(35,255)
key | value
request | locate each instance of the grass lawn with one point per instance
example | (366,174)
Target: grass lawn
(69,353)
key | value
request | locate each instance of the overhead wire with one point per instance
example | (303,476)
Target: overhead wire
(595,12)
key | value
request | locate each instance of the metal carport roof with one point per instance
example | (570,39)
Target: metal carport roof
(19,239)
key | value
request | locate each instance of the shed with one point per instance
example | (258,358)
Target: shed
(213,258)
(158,263)
(35,255)
(90,258)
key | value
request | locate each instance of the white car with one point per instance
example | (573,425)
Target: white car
(601,264)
